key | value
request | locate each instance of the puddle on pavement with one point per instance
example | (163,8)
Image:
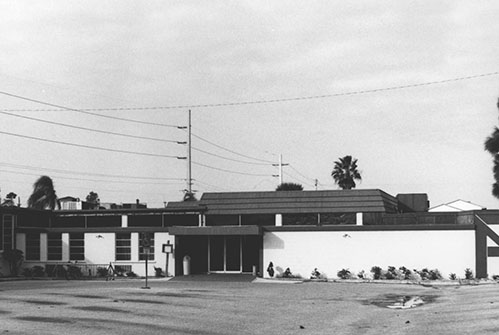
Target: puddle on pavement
(397,301)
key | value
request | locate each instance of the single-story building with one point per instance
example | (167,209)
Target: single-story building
(242,232)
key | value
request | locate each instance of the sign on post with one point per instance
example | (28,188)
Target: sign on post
(146,245)
(167,249)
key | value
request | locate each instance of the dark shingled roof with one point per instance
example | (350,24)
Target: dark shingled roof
(283,202)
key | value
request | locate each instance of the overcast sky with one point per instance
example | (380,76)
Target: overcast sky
(133,55)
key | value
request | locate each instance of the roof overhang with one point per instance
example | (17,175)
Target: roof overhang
(216,230)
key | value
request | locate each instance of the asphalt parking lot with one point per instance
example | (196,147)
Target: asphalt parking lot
(242,307)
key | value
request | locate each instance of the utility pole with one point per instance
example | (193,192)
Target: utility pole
(280,165)
(189,162)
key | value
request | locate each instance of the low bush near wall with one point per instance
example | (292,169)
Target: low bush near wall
(429,274)
(393,273)
(344,274)
(316,274)
(468,274)
(35,271)
(288,274)
(102,271)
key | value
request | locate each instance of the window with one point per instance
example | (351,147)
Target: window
(104,221)
(54,246)
(145,221)
(76,247)
(123,246)
(32,246)
(7,232)
(142,238)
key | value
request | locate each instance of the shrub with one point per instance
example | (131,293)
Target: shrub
(35,271)
(38,271)
(316,274)
(27,272)
(376,271)
(158,272)
(429,274)
(131,274)
(495,277)
(435,275)
(452,276)
(393,273)
(362,275)
(120,272)
(102,272)
(74,272)
(344,274)
(287,273)
(405,272)
(468,274)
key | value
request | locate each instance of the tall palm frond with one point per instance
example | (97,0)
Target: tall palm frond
(43,196)
(492,142)
(345,172)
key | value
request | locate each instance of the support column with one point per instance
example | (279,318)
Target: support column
(65,247)
(359,219)
(124,221)
(480,251)
(278,220)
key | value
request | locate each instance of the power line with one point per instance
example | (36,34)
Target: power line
(231,151)
(88,129)
(124,135)
(230,171)
(93,180)
(210,185)
(227,158)
(73,172)
(79,111)
(255,102)
(301,174)
(88,146)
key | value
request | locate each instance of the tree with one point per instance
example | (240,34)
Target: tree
(289,187)
(189,196)
(15,258)
(9,200)
(43,196)
(492,146)
(93,198)
(345,172)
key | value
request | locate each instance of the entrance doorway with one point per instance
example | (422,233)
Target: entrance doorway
(233,254)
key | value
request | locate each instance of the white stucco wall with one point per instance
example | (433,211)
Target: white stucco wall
(99,248)
(448,251)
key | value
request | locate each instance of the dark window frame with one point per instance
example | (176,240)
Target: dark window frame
(123,247)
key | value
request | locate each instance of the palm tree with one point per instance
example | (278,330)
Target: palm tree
(492,146)
(345,172)
(43,196)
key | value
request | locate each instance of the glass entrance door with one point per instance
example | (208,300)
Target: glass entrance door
(233,254)
(225,254)
(217,252)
